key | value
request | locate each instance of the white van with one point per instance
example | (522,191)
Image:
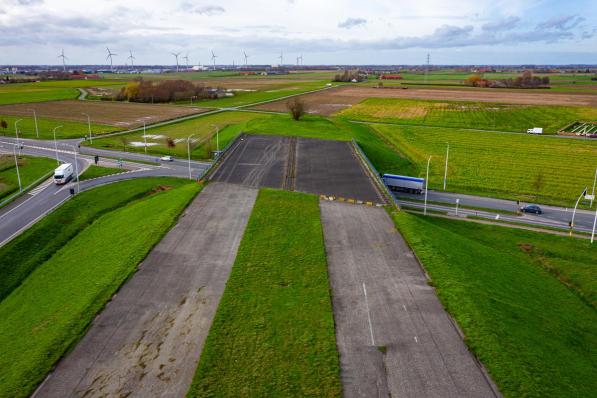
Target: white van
(535,130)
(63,173)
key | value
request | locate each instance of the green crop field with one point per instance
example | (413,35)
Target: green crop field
(46,126)
(50,310)
(33,92)
(549,170)
(524,300)
(273,333)
(30,169)
(94,171)
(475,115)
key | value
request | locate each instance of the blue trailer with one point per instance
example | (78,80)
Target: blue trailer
(404,183)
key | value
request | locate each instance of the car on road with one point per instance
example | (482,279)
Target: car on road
(166,158)
(531,209)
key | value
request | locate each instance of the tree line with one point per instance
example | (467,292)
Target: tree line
(526,80)
(165,91)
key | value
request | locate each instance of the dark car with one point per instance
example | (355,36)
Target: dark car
(531,209)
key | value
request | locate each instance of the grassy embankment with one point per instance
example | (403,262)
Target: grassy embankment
(46,126)
(94,171)
(30,169)
(474,115)
(524,300)
(75,268)
(512,166)
(45,91)
(273,333)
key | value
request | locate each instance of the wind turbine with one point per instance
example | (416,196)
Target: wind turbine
(213,58)
(131,58)
(281,57)
(176,56)
(246,58)
(301,58)
(110,55)
(63,60)
(186,58)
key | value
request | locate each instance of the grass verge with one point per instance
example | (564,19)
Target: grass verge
(31,169)
(273,333)
(524,300)
(94,171)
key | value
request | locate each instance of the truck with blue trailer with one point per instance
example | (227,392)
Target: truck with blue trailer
(404,183)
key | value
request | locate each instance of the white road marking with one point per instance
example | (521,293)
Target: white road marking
(416,340)
(403,306)
(369,315)
(41,187)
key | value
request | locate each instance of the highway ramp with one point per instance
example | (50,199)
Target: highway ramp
(147,341)
(393,335)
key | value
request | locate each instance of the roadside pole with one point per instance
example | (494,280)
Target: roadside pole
(145,137)
(593,192)
(35,121)
(426,186)
(17,167)
(446,168)
(217,140)
(17,132)
(574,211)
(594,223)
(89,127)
(457,203)
(55,143)
(76,169)
(189,152)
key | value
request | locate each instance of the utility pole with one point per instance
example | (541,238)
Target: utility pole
(144,137)
(76,169)
(427,68)
(189,152)
(17,129)
(446,169)
(426,186)
(593,192)
(89,127)
(217,140)
(594,224)
(56,144)
(574,211)
(17,167)
(35,121)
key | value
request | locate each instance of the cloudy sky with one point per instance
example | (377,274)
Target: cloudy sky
(324,31)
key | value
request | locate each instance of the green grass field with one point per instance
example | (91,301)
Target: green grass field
(273,333)
(46,126)
(51,309)
(501,165)
(30,169)
(94,171)
(34,92)
(475,115)
(524,300)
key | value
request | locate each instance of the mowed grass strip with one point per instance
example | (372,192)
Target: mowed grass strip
(465,114)
(94,171)
(273,333)
(524,300)
(51,309)
(30,170)
(548,170)
(25,253)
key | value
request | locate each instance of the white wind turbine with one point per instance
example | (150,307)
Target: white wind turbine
(176,56)
(132,58)
(213,58)
(110,55)
(281,58)
(246,58)
(64,58)
(186,58)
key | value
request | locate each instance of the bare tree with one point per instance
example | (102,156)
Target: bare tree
(538,184)
(296,107)
(4,126)
(124,141)
(170,144)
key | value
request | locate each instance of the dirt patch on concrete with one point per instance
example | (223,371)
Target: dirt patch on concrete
(119,114)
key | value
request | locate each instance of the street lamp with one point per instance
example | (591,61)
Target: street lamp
(593,192)
(145,137)
(35,121)
(426,186)
(55,144)
(594,224)
(89,127)
(189,152)
(76,168)
(217,140)
(446,169)
(17,167)
(17,129)
(574,212)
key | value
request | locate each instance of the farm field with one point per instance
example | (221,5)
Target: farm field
(30,169)
(31,92)
(50,310)
(475,115)
(500,285)
(273,333)
(69,129)
(499,164)
(118,114)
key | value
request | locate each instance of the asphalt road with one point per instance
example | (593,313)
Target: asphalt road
(553,216)
(382,302)
(148,340)
(27,209)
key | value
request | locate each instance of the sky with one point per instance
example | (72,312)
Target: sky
(475,32)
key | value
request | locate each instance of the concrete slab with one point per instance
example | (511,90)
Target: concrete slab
(381,299)
(332,168)
(147,341)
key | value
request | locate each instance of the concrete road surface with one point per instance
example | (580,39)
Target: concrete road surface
(381,299)
(147,341)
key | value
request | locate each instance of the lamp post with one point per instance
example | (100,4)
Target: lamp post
(35,121)
(17,129)
(17,167)
(144,137)
(189,153)
(426,186)
(574,211)
(76,168)
(446,168)
(55,143)
(89,127)
(217,140)
(593,192)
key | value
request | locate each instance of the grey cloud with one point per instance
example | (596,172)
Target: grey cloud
(208,10)
(566,22)
(29,2)
(501,25)
(352,22)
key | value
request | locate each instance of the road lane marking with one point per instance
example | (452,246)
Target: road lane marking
(369,315)
(416,340)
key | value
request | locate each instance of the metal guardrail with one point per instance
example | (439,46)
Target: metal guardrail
(376,175)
